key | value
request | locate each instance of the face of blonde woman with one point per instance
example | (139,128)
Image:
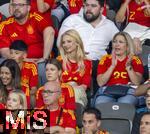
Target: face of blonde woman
(120,45)
(68,43)
(13,102)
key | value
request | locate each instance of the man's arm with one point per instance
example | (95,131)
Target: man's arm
(5,52)
(48,36)
(42,6)
(120,16)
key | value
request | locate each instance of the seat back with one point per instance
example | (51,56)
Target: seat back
(117,117)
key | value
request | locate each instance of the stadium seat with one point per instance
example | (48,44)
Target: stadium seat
(117,117)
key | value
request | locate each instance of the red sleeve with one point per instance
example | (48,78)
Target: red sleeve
(70,120)
(33,75)
(137,65)
(41,22)
(4,36)
(104,64)
(39,98)
(68,93)
(86,78)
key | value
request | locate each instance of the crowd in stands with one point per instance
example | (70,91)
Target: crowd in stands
(67,56)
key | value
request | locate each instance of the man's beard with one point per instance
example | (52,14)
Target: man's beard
(91,18)
(18,16)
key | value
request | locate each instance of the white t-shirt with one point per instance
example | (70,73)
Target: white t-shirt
(96,39)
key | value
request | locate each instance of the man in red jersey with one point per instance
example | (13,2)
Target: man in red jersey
(29,27)
(61,120)
(29,73)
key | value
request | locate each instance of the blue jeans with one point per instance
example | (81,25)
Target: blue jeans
(41,73)
(129,98)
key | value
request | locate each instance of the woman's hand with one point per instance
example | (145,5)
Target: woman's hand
(114,60)
(128,63)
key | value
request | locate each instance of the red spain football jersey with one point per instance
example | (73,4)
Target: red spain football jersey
(137,15)
(67,119)
(29,78)
(80,77)
(31,32)
(119,75)
(67,98)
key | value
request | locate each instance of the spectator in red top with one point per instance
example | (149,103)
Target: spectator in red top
(43,7)
(121,67)
(137,11)
(10,74)
(75,5)
(29,73)
(76,67)
(53,74)
(67,121)
(29,27)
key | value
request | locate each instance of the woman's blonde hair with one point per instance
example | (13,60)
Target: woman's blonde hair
(129,42)
(80,53)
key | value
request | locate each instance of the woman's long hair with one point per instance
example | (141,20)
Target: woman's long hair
(80,53)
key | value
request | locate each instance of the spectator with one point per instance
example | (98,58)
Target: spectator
(67,122)
(132,9)
(92,122)
(53,74)
(142,89)
(91,25)
(121,67)
(38,33)
(145,124)
(29,73)
(10,75)
(76,67)
(16,101)
(32,28)
(137,118)
(138,27)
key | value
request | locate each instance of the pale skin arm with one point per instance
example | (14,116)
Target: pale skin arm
(70,130)
(5,52)
(54,129)
(135,77)
(42,6)
(120,16)
(147,3)
(142,89)
(48,36)
(102,79)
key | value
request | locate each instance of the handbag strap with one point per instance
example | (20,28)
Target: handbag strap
(59,117)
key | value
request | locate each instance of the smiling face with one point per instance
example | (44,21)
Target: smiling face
(5,76)
(120,45)
(92,10)
(13,102)
(69,44)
